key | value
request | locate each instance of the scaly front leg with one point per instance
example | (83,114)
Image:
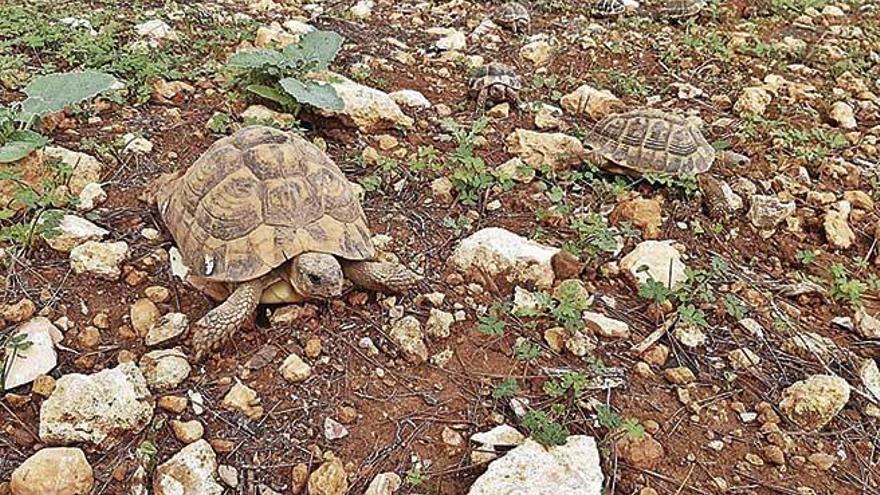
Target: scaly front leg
(224,320)
(482,98)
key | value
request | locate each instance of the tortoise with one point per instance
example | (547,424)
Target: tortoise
(654,141)
(264,216)
(676,9)
(514,16)
(494,83)
(608,8)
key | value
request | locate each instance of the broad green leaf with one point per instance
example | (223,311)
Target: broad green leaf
(53,92)
(313,93)
(14,151)
(317,49)
(255,59)
(28,136)
(272,94)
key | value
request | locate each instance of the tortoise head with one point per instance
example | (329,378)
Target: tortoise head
(731,158)
(316,275)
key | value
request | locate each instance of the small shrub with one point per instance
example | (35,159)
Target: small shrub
(544,429)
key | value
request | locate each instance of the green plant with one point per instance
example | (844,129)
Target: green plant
(12,72)
(469,174)
(709,42)
(690,314)
(426,159)
(507,388)
(793,7)
(371,183)
(686,184)
(33,30)
(281,75)
(810,144)
(415,476)
(34,212)
(655,291)
(735,307)
(572,381)
(565,306)
(219,123)
(569,305)
(544,429)
(147,453)
(806,256)
(527,351)
(14,346)
(45,94)
(609,419)
(595,235)
(491,325)
(844,288)
(628,83)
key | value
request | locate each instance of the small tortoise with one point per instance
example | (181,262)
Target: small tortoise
(494,83)
(676,9)
(265,216)
(645,141)
(514,16)
(608,8)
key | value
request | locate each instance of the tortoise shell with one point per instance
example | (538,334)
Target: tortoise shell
(608,8)
(678,9)
(652,141)
(494,74)
(512,15)
(258,198)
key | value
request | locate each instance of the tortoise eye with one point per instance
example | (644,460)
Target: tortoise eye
(315,279)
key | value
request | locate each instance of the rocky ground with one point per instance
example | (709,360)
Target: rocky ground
(576,328)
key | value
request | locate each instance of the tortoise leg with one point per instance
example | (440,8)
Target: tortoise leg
(482,98)
(593,157)
(380,276)
(224,320)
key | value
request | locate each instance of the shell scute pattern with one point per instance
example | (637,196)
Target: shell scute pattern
(514,16)
(608,8)
(258,198)
(494,83)
(652,141)
(232,208)
(679,9)
(494,73)
(290,202)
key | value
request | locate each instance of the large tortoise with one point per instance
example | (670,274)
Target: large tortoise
(267,216)
(648,140)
